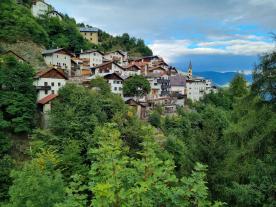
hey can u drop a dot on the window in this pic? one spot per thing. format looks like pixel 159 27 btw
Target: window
pixel 52 84
pixel 53 92
pixel 46 92
pixel 59 84
pixel 91 39
pixel 57 56
pixel 45 84
pixel 114 82
pixel 85 33
pixel 115 88
pixel 120 88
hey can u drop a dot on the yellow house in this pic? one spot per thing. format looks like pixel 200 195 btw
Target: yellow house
pixel 91 34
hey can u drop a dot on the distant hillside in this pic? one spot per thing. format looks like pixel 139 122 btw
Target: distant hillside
pixel 220 78
pixel 18 24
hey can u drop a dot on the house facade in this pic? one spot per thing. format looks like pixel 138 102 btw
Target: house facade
pixel 107 68
pixel 95 57
pixel 195 89
pixel 49 81
pixel 117 56
pixel 58 58
pixel 91 34
pixel 178 84
pixel 115 82
pixel 39 8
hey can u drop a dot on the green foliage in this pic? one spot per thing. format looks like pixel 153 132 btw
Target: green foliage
pixel 17 23
pixel 136 86
pixel 63 34
pixel 101 84
pixel 155 119
pixel 117 180
pixel 18 95
pixel 238 86
pixel 265 77
pixel 135 47
pixel 37 184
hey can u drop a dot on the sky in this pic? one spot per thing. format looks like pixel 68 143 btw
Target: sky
pixel 216 35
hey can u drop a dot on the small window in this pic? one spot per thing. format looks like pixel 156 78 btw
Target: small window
pixel 59 84
pixel 46 92
pixel 91 39
pixel 52 84
pixel 45 84
pixel 115 88
pixel 85 33
pixel 53 92
pixel 57 56
pixel 114 81
pixel 120 88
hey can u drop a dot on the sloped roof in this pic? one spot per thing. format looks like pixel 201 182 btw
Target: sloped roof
pixel 113 74
pixel 42 72
pixel 89 29
pixel 47 99
pixel 178 80
pixel 51 51
pixel 90 51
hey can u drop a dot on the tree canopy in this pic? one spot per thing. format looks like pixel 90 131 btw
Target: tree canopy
pixel 136 86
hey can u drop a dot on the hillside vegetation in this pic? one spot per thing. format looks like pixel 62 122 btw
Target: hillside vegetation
pixel 18 24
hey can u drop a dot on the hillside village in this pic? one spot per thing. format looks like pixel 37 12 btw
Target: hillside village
pixel 92 119
pixel 170 88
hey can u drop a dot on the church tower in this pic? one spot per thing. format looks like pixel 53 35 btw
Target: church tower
pixel 190 71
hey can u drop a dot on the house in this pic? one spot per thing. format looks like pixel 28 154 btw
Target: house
pixel 40 8
pixel 172 71
pixel 115 82
pixel 95 57
pixel 15 55
pixel 132 70
pixel 157 69
pixel 195 88
pixel 55 14
pixel 49 81
pixel 140 108
pixel 160 85
pixel 107 68
pixel 59 58
pixel 118 56
pixel 178 84
pixel 91 34
pixel 44 105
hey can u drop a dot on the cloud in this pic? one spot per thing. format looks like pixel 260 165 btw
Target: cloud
pixel 171 50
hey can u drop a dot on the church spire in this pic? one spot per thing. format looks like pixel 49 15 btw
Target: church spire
pixel 190 70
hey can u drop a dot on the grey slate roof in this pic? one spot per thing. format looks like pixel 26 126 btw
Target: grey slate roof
pixel 178 80
pixel 88 29
pixel 45 52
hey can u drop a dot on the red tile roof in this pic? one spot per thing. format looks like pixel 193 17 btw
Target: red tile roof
pixel 47 99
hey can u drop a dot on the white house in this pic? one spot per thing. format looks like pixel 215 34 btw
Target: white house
pixel 39 8
pixel 95 57
pixel 59 58
pixel 132 70
pixel 107 68
pixel 178 84
pixel 54 14
pixel 118 56
pixel 160 85
pixel 115 82
pixel 48 82
pixel 195 88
